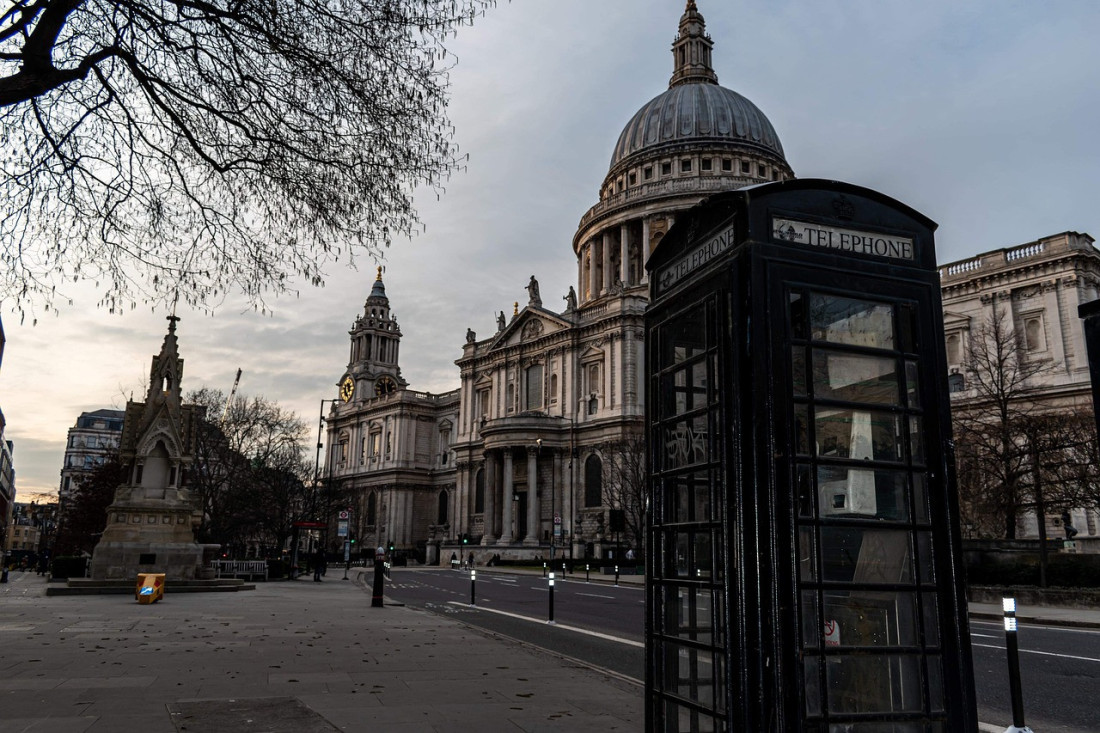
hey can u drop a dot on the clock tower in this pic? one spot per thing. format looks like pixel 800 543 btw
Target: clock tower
pixel 375 341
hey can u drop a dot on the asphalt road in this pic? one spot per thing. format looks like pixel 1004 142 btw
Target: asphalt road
pixel 602 625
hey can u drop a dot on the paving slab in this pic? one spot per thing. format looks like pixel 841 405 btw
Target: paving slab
pixel 291 655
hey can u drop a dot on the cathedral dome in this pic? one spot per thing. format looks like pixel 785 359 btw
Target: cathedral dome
pixel 693 114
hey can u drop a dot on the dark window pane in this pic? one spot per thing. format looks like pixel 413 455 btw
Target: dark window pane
pixel 850 321
pixel 869 556
pixel 920 498
pixel 912 384
pixel 798 370
pixel 685 443
pixel 683 337
pixel 916 439
pixel 802 429
pixel 805 492
pixel 811 685
pixel 798 315
pixel 870 618
pixel 807 563
pixel 859 434
pixel 931 620
pixel 924 557
pixel 811 620
pixel 863 492
pixel 855 377
pixel 874 684
pixel 935 683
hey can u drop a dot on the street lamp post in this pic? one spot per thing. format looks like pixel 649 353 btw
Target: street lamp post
pixel 316 480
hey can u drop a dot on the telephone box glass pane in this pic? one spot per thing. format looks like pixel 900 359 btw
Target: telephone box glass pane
pixel 861 618
pixel 865 556
pixel 863 493
pixel 851 321
pixel 855 377
pixel 865 435
pixel 881 683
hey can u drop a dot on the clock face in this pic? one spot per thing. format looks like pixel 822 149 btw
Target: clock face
pixel 384 386
pixel 347 389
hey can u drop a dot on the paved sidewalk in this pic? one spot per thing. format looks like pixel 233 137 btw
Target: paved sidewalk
pixel 290 656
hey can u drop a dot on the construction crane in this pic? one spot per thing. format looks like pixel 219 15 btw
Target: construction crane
pixel 229 400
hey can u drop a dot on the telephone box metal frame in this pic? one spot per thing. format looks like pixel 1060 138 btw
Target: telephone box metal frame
pixel 803 565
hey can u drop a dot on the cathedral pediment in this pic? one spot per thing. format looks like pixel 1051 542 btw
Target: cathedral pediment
pixel 531 324
pixel 955 319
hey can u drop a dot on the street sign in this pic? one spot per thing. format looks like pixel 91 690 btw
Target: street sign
pixel 342 528
pixel 557 518
pixel 344 514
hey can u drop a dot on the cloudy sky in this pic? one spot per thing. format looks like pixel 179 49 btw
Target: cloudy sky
pixel 981 115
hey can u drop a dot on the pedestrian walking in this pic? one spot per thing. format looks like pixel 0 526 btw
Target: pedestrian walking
pixel 318 564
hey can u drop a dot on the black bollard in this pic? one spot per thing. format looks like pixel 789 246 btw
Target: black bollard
pixel 1012 645
pixel 544 570
pixel 616 575
pixel 587 568
pixel 379 567
pixel 551 619
pixel 473 579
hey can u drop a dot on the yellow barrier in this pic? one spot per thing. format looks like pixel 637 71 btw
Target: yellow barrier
pixel 150 587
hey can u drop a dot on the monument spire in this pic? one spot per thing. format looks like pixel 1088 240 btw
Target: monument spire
pixel 691 51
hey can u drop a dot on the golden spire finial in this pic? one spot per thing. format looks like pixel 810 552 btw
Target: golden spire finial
pixel 515 308
pixel 379 274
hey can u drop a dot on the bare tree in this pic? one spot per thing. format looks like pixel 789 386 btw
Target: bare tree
pixel 994 455
pixel 625 482
pixel 249 472
pixel 178 149
pixel 84 517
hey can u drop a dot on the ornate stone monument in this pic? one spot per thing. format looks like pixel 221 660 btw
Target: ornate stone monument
pixel 149 524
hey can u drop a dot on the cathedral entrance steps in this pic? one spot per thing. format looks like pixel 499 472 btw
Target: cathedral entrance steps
pixel 88 586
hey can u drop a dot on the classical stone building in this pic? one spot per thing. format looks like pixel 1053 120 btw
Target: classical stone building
pixel 1038 287
pixel 518 454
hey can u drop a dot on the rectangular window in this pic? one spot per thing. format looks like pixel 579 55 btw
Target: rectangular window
pixel 647 174
pixel 727 165
pixel 762 170
pixel 745 167
pixel 706 164
pixel 666 169
pixel 685 166
pixel 632 179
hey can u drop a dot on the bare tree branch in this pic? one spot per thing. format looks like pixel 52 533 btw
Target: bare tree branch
pixel 184 149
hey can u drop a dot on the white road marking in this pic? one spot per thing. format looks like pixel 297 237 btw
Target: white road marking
pixel 597 634
pixel 1045 654
pixel 595 595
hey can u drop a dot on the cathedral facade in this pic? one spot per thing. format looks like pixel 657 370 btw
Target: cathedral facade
pixel 524 459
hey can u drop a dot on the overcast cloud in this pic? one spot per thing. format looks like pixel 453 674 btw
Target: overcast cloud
pixel 980 115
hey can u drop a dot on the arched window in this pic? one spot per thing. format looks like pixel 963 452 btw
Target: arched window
pixel 372 510
pixel 441 518
pixel 593 481
pixel 479 492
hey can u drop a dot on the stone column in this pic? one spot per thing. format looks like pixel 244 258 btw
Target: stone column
pixel 533 512
pixel 644 252
pixel 506 501
pixel 608 277
pixel 490 498
pixel 624 254
pixel 593 284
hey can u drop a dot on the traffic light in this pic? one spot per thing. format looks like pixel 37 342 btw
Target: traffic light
pixel 391 547
pixel 465 539
pixel 352 541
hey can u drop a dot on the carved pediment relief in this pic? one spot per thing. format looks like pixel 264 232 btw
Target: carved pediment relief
pixel 531 330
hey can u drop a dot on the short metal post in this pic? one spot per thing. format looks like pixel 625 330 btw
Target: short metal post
pixel 616 575
pixel 1018 725
pixel 544 570
pixel 473 579
pixel 376 598
pixel 551 620
pixel 587 568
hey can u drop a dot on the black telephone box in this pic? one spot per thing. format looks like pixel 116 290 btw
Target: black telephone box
pixel 804 567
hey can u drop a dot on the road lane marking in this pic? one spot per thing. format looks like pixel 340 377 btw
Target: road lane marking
pixel 589 632
pixel 1045 654
pixel 595 595
pixel 984 636
pixel 1036 625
